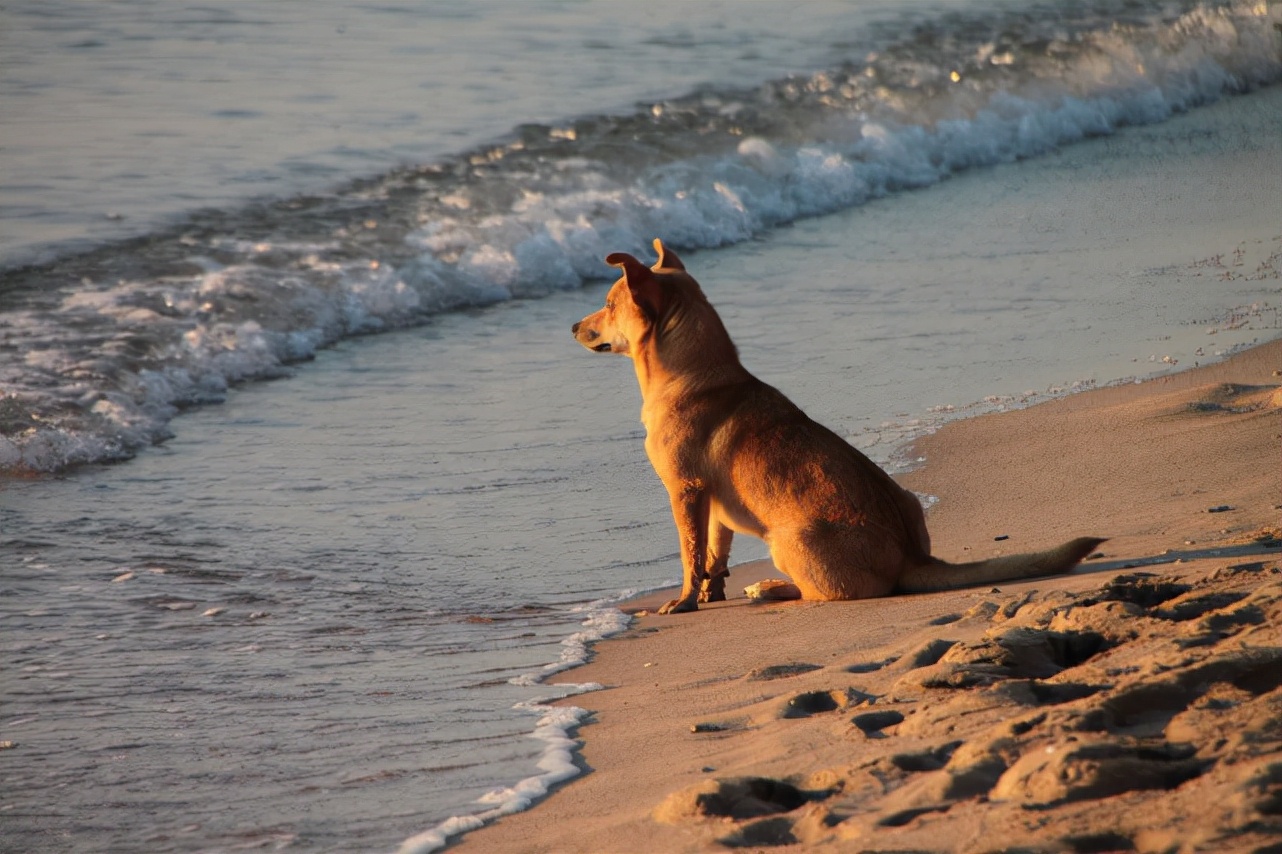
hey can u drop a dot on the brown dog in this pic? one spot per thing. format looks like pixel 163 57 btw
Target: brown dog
pixel 736 455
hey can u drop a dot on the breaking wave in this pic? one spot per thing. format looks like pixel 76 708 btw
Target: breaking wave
pixel 100 350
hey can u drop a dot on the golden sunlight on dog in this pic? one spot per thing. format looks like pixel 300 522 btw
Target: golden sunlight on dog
pixel 738 456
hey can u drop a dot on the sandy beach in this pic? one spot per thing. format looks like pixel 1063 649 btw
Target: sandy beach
pixel 1133 705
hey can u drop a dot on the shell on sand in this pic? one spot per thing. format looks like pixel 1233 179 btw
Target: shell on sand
pixel 772 588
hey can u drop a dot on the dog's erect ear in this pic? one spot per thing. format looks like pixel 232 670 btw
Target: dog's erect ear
pixel 647 292
pixel 668 259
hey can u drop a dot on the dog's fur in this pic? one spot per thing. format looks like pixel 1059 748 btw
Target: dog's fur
pixel 736 455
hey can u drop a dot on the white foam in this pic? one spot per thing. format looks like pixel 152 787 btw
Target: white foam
pixel 556 766
pixel 555 238
pixel 556 763
pixel 601 619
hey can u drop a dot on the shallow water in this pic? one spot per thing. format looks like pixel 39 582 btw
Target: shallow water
pixel 314 618
pixel 265 627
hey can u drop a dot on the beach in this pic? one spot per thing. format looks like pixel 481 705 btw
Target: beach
pixel 310 502
pixel 1129 705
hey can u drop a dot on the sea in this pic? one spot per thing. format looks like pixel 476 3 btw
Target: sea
pixel 308 499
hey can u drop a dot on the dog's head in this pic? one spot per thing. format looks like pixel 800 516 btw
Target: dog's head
pixel 633 306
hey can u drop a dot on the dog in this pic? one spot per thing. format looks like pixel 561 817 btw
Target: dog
pixel 737 456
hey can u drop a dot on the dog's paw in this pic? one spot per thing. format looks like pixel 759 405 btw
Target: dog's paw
pixel 713 589
pixel 679 606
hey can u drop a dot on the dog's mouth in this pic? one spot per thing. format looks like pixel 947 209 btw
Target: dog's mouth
pixel 602 348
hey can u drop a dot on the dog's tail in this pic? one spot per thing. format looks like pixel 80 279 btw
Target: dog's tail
pixel 941 575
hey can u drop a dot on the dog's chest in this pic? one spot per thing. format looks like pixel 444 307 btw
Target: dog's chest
pixel 680 432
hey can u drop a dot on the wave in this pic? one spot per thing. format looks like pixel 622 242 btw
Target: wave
pixel 102 349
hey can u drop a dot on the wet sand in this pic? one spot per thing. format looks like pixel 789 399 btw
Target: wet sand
pixel 1131 705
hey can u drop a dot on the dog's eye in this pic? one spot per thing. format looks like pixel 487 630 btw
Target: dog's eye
pixel 609 306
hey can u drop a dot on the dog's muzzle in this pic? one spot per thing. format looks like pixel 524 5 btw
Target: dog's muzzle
pixel 589 335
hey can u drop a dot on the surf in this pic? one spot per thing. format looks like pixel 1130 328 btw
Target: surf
pixel 108 346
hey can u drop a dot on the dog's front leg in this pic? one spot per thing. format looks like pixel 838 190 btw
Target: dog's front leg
pixel 690 511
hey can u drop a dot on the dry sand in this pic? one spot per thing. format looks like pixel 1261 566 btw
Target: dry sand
pixel 1132 705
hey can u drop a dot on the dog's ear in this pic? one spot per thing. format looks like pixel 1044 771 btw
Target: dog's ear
pixel 668 259
pixel 646 290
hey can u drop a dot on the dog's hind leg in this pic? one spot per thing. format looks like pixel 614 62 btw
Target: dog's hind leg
pixel 713 588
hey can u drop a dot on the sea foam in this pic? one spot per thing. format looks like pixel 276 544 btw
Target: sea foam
pixel 554 727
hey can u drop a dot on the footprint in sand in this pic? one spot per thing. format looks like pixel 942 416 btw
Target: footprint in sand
pixel 870 666
pixel 734 797
pixel 781 671
pixel 810 703
pixel 872 723
pixel 760 802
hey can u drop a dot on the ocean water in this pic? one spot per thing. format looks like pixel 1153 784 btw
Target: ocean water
pixel 307 487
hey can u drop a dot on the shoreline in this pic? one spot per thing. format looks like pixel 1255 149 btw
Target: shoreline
pixel 673 743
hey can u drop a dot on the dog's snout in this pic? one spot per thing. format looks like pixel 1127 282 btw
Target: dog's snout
pixel 575 328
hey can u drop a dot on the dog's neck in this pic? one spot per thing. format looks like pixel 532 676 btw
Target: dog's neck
pixel 690 349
